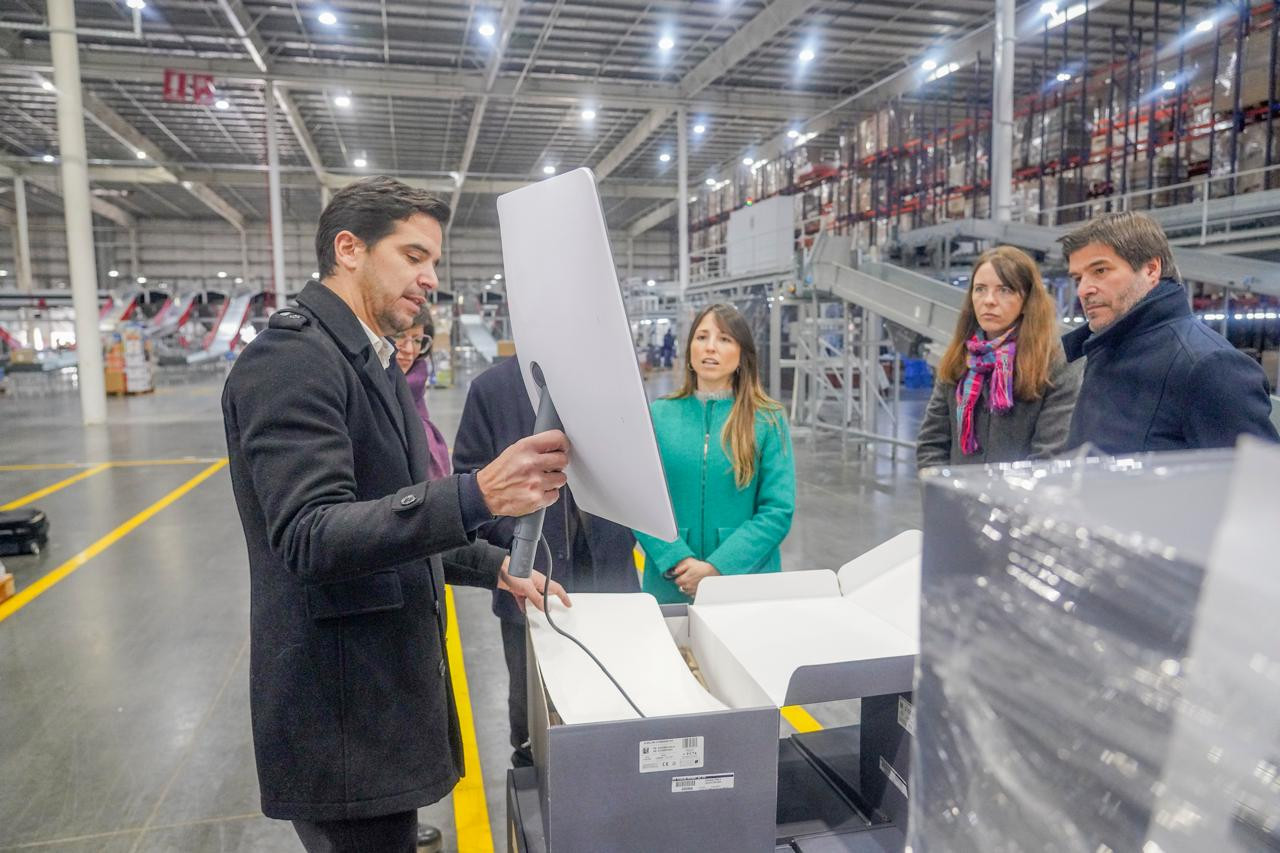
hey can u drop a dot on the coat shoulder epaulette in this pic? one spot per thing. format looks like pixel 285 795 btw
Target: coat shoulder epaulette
pixel 288 319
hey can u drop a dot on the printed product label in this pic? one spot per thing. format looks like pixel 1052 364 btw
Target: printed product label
pixel 708 782
pixel 906 716
pixel 898 782
pixel 677 753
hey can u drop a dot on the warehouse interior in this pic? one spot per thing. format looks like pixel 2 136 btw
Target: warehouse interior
pixel 831 168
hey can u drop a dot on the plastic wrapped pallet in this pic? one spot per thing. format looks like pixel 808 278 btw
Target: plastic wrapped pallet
pixel 1100 658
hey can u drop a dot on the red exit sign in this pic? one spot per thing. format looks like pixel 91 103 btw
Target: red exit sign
pixel 188 88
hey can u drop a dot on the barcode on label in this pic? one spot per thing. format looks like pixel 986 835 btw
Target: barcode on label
pixel 691 742
pixel 706 782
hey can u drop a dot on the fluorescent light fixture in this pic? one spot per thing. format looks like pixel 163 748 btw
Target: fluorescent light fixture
pixel 48 158
pixel 343 101
pixel 360 162
pixel 1170 85
pixel 497 276
pixel 793 134
pixel 944 70
pixel 711 182
pixel 487 29
pixel 807 55
pixel 142 279
pixel 327 18
pixel 3 273
pixel 747 161
pixel 141 155
pixel 666 43
pixel 239 280
pixel 222 104
pixel 46 85
pixel 222 273
pixel 548 169
pixel 699 128
pixel 664 157
pixel 1204 26
pixel 588 115
pixel 929 65
pixel 113 273
pixel 1063 77
pixel 650 282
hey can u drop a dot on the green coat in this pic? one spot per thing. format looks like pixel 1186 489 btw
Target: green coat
pixel 735 530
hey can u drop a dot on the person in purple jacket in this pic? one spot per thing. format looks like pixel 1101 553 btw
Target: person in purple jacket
pixel 413 355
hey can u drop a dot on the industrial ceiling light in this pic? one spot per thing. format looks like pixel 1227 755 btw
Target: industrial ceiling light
pixel 1049 8
pixel 548 169
pixel 1170 85
pixel 588 115
pixel 316 274
pixel 650 282
pixel 46 85
pixel 793 134
pixel 222 273
pixel 239 280
pixel 487 29
pixel 343 101
pixel 141 155
pixel 807 55
pixel 1204 26
pixel 664 157
pixel 136 5
pixel 699 128
pixel 711 182
pixel 1063 77
pixel 222 104
pixel 747 161
pixel 327 18
pixel 929 65
pixel 113 273
pixel 497 276
pixel 48 158
pixel 666 43
pixel 360 162
pixel 142 279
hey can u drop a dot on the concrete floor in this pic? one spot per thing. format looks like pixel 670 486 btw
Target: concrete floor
pixel 124 719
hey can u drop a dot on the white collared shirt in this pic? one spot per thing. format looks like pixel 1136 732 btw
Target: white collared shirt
pixel 382 347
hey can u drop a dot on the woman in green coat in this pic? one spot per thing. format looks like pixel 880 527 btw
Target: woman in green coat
pixel 726 451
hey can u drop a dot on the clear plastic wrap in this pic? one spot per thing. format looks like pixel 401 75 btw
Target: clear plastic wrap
pixel 1060 703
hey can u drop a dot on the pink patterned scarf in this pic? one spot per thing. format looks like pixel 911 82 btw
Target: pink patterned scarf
pixel 986 358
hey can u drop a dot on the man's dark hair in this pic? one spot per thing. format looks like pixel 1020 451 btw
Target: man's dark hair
pixel 370 208
pixel 1135 237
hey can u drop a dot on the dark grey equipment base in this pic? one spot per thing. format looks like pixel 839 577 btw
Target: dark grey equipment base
pixel 821 808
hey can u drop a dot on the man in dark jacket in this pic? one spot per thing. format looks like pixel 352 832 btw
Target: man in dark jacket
pixel 1156 377
pixel 591 554
pixel 354 721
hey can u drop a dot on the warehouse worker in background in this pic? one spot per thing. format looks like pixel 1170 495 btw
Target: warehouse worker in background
pixel 591 554
pixel 354 723
pixel 1156 377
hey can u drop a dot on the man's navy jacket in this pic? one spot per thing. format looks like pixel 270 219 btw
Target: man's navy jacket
pixel 1160 379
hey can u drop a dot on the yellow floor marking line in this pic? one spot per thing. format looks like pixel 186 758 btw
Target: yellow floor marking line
pixel 48 490
pixel 31 593
pixel 470 808
pixel 800 719
pixel 47 466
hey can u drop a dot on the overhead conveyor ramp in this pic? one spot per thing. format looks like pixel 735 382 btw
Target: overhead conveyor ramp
pixel 924 305
pixel 1230 271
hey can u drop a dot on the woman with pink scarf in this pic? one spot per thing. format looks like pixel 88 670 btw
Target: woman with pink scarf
pixel 413 351
pixel 1004 391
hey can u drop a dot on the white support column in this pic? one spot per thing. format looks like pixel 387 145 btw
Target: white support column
pixel 244 255
pixel 273 188
pixel 682 197
pixel 22 236
pixel 1002 112
pixel 76 198
pixel 135 268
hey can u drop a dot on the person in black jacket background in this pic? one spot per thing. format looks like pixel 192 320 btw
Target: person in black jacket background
pixel 1156 377
pixel 354 724
pixel 591 554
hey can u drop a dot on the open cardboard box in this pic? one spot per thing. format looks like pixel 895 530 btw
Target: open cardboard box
pixel 700 769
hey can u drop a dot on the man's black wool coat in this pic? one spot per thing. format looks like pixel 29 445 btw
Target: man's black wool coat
pixel 349 550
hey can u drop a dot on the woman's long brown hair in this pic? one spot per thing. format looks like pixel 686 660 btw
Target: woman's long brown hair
pixel 738 437
pixel 1039 341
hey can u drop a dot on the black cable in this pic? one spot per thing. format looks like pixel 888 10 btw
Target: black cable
pixel 546 603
